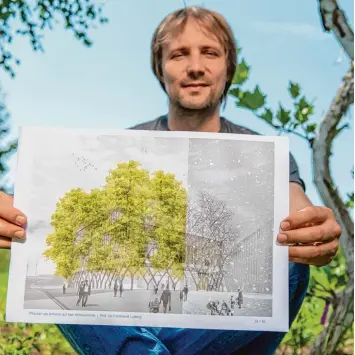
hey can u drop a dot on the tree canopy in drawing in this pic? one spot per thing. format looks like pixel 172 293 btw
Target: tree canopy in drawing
pixel 135 218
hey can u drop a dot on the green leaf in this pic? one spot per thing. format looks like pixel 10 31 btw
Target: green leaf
pixel 252 100
pixel 305 107
pixel 300 117
pixel 236 92
pixel 283 115
pixel 267 115
pixel 241 74
pixel 294 90
pixel 311 128
pixel 321 277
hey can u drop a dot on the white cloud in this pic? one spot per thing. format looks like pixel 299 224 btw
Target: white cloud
pixel 301 29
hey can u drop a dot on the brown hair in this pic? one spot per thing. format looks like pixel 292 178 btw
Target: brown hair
pixel 212 21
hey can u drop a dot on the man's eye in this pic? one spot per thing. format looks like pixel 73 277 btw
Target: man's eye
pixel 211 54
pixel 177 55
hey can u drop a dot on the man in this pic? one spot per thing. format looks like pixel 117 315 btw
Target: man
pixel 86 292
pixel 115 288
pixel 81 294
pixel 240 298
pixel 166 299
pixel 121 289
pixel 232 302
pixel 194 59
pixel 186 290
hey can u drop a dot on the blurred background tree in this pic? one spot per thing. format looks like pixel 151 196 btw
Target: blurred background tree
pixel 30 19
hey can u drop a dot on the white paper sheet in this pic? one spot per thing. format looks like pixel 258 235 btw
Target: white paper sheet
pixel 236 191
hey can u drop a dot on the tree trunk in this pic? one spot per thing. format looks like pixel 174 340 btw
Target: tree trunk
pixel 341 319
pixel 334 20
pixel 342 316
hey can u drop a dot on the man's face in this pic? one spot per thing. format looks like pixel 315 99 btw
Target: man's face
pixel 194 68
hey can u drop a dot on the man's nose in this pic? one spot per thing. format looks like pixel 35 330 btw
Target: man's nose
pixel 196 67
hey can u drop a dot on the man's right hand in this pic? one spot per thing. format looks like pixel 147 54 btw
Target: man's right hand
pixel 12 222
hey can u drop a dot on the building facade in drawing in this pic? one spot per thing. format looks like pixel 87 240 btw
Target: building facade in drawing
pixel 252 262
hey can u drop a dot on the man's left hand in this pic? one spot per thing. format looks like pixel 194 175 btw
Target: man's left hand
pixel 313 234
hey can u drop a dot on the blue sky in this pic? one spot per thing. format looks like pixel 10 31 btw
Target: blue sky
pixel 111 85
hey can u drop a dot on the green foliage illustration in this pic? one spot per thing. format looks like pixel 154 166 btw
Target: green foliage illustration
pixel 135 223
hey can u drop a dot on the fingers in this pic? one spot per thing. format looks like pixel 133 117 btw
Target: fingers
pixel 10 213
pixel 323 233
pixel 319 254
pixel 308 216
pixel 5 243
pixel 10 230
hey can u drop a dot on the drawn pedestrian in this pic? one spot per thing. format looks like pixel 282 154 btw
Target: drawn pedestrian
pixel 80 292
pixel 121 289
pixel 240 298
pixel 166 299
pixel 86 293
pixel 186 290
pixel 115 288
pixel 232 301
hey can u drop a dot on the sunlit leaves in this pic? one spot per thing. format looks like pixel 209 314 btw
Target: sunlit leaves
pixel 112 227
pixel 251 100
pixel 241 74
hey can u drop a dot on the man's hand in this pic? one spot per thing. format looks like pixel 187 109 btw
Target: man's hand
pixel 12 222
pixel 313 234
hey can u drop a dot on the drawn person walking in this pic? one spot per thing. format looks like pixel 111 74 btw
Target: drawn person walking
pixel 121 289
pixel 115 288
pixel 186 290
pixel 166 299
pixel 232 301
pixel 240 298
pixel 86 293
pixel 80 292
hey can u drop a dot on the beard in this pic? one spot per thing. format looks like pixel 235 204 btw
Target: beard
pixel 194 106
pixel 195 113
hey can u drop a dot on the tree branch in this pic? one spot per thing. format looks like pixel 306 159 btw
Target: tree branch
pixel 342 315
pixel 334 20
pixel 321 165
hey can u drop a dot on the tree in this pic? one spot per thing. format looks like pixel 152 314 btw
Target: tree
pixel 30 19
pixel 210 241
pixel 128 191
pixel 339 294
pixel 108 233
pixel 168 211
